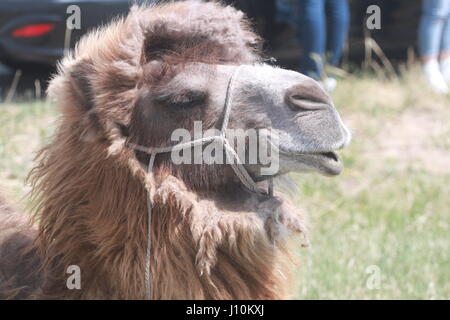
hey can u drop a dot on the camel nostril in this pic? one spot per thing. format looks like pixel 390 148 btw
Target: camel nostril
pixel 305 103
pixel 307 97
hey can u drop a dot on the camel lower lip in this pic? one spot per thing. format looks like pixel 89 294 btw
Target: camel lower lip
pixel 329 162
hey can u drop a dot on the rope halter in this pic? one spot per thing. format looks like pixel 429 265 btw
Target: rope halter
pixel 232 157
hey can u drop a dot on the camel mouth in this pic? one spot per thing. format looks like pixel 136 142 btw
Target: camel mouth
pixel 328 163
pixel 331 155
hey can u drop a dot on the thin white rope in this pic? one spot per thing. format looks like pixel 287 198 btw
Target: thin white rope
pixel 229 99
pixel 148 282
pixel 232 158
pixel 239 168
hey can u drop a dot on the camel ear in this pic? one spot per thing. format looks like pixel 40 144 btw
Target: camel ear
pixel 83 93
pixel 81 84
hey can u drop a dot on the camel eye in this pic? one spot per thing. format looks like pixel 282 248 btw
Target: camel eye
pixel 188 99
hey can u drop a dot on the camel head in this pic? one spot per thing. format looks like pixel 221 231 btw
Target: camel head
pixel 156 73
pixel 289 105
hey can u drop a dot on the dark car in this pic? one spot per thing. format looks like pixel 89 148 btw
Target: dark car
pixel 34 31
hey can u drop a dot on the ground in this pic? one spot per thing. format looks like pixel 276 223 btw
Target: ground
pixel 380 230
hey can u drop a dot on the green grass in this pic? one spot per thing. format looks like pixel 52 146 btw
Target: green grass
pixel 388 212
pixel 24 128
pixel 398 222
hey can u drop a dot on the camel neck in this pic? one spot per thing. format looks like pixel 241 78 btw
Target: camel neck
pixel 91 215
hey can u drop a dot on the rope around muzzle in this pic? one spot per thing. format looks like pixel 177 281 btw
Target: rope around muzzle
pixel 232 157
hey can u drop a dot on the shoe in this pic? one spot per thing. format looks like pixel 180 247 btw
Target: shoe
pixel 445 69
pixel 434 77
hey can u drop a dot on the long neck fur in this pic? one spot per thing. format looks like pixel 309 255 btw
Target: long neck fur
pixel 92 213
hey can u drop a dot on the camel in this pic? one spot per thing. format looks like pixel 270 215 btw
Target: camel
pixel 132 83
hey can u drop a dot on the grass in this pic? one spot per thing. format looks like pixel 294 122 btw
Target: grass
pixel 24 128
pixel 380 230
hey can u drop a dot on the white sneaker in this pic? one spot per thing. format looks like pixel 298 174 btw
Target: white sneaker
pixel 329 84
pixel 445 69
pixel 434 77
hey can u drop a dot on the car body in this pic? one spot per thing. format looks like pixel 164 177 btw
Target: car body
pixel 34 31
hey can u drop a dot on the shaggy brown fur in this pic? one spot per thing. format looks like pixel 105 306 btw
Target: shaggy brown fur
pixel 211 239
pixel 18 259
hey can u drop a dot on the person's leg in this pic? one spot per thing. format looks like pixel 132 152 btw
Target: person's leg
pixel 431 28
pixel 338 14
pixel 284 12
pixel 445 46
pixel 430 37
pixel 313 34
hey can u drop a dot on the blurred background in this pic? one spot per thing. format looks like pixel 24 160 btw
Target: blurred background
pixel 33 34
pixel 381 229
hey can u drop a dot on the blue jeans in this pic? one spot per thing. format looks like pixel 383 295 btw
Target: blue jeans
pixel 434 29
pixel 313 33
pixel 286 12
